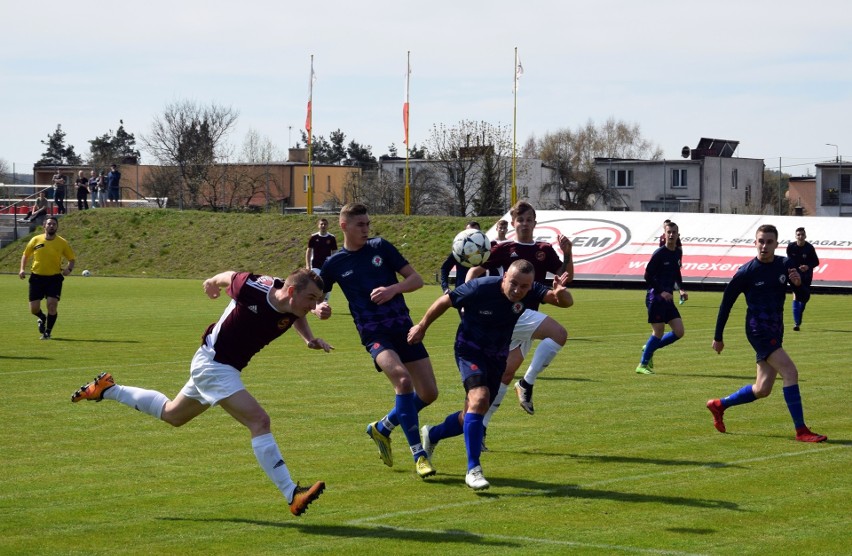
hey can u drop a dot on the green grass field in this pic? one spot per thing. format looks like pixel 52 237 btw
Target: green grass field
pixel 612 462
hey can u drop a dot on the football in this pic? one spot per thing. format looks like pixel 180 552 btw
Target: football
pixel 471 247
pixel 86 273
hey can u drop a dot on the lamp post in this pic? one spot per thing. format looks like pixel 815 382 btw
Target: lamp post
pixel 839 170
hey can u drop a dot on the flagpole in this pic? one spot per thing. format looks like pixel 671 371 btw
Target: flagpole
pixel 405 114
pixel 309 126
pixel 514 196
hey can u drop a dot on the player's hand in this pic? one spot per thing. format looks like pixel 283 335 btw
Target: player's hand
pixel 22 274
pixel 684 295
pixel 319 343
pixel 381 295
pixel 718 346
pixel 795 277
pixel 564 243
pixel 803 268
pixel 561 280
pixel 212 289
pixel 322 310
pixel 416 334
pixel 666 296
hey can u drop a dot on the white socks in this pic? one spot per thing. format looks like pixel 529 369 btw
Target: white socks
pixel 146 401
pixel 269 457
pixel 544 354
pixel 495 405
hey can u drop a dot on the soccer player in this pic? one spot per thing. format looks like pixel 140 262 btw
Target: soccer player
pixel 262 308
pixel 321 246
pixel 47 251
pixel 532 325
pixel 451 262
pixel 502 228
pixel 492 305
pixel 366 269
pixel 804 256
pixel 763 280
pixel 662 276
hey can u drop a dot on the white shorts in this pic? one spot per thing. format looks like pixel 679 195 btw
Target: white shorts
pixel 316 271
pixel 209 381
pixel 522 335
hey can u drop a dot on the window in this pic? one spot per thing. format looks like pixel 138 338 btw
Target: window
pixel 400 174
pixel 679 177
pixel 748 194
pixel 328 183
pixel 621 178
pixel 844 183
pixel 734 176
pixel 307 182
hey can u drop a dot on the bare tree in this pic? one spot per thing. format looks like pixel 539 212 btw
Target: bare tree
pixel 460 150
pixel 191 137
pixel 5 175
pixel 572 153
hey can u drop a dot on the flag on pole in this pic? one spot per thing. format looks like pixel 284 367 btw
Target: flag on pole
pixel 311 82
pixel 519 71
pixel 405 105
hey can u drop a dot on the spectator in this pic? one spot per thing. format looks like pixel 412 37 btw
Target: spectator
pixel 113 187
pixel 82 191
pixel 59 191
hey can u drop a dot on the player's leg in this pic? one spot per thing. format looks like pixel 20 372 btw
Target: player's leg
pixel 35 309
pixel 651 345
pixel 52 304
pixel 676 333
pixel 553 337
pixel 477 405
pixel 780 361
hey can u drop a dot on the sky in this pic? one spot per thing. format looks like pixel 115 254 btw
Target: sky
pixel 774 75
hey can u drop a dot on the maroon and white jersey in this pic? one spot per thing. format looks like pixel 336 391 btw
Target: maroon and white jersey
pixel 323 247
pixel 249 322
pixel 541 254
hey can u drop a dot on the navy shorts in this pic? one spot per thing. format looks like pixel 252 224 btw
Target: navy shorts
pixel 397 341
pixel 45 286
pixel 763 344
pixel 481 372
pixel 661 311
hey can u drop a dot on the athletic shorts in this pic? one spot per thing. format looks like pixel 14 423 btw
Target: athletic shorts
pixel 397 341
pixel 662 311
pixel 524 329
pixel 481 372
pixel 210 381
pixel 763 344
pixel 45 286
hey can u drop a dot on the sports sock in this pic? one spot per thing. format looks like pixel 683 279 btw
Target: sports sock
pixel 495 405
pixel 741 396
pixel 41 316
pixel 269 457
pixel 650 347
pixel 140 399
pixel 668 339
pixel 473 438
pixel 798 309
pixel 794 404
pixel 544 354
pixel 448 429
pixel 51 320
pixel 406 409
pixel 391 420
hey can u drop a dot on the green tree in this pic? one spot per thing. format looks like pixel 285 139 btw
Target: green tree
pixel 113 148
pixel 57 152
pixel 489 202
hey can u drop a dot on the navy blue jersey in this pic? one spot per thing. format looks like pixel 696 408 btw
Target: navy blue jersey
pixel 359 272
pixel 663 271
pixel 806 254
pixel 447 267
pixel 764 286
pixel 489 317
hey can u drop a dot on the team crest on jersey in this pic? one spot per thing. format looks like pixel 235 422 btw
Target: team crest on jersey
pixel 377 261
pixel 285 323
pixel 540 256
pixel 253 308
pixel 266 281
pixel 518 308
pixel 782 279
pixel 474 367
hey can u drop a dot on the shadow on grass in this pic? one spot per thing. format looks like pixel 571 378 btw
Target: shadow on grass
pixel 28 357
pixel 748 377
pixel 566 378
pixel 93 340
pixel 691 530
pixel 597 458
pixel 355 532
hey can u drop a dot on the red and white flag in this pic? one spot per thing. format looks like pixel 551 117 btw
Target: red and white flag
pixel 405 104
pixel 311 82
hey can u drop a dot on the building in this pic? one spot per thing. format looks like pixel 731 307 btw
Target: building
pixel 833 190
pixel 801 196
pixel 708 179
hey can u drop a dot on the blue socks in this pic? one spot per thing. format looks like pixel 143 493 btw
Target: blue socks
pixel 406 410
pixel 448 429
pixel 798 310
pixel 391 420
pixel 473 438
pixel 653 344
pixel 794 404
pixel 741 396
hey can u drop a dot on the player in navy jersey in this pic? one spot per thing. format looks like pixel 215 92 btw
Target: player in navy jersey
pixel 763 280
pixel 492 306
pixel 366 270
pixel 803 254
pixel 262 308
pixel 533 325
pixel 662 276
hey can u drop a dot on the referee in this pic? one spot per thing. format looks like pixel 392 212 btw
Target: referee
pixel 47 251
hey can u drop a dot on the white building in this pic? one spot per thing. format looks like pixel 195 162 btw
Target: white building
pixel 834 189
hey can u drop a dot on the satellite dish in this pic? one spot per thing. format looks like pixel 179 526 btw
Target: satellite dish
pixel 684 152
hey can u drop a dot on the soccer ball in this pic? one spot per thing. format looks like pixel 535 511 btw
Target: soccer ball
pixel 471 247
pixel 86 273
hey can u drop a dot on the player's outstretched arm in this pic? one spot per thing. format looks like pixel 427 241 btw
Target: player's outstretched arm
pixel 322 310
pixel 304 329
pixel 438 308
pixel 213 285
pixel 559 295
pixel 568 262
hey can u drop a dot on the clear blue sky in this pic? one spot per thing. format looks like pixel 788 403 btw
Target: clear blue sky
pixel 774 75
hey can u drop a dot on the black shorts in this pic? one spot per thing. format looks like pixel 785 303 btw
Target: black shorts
pixel 45 286
pixel 397 341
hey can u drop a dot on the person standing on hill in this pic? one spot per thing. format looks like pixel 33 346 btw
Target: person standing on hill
pixel 114 186
pixel 47 251
pixel 82 191
pixel 803 254
pixel 59 184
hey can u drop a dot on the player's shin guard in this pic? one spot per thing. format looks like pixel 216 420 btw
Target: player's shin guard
pixel 140 399
pixel 269 457
pixel 544 354
pixel 406 410
pixel 495 405
pixel 794 404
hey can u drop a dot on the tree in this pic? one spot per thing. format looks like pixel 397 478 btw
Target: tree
pixel 460 150
pixel 490 199
pixel 333 152
pixel 775 188
pixel 113 148
pixel 57 153
pixel 573 153
pixel 192 138
pixel 5 175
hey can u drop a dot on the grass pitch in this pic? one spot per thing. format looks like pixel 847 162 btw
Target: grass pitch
pixel 612 462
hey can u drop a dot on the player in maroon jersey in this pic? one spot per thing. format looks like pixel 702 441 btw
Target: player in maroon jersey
pixel 262 308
